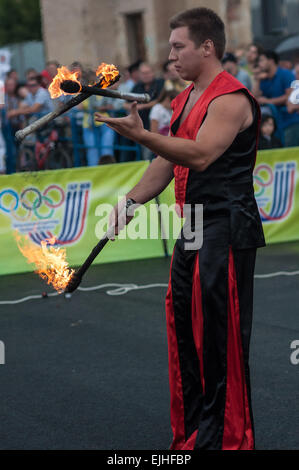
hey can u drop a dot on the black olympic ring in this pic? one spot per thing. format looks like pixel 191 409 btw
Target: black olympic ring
pixel 35 205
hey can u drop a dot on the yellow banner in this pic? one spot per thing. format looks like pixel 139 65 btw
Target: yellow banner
pixel 70 205
pixel 276 185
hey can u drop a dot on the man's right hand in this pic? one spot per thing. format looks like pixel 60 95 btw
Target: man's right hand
pixel 118 217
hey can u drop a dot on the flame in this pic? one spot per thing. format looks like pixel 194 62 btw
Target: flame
pixel 50 262
pixel 63 73
pixel 109 73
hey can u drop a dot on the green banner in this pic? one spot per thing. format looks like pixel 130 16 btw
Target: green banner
pixel 276 185
pixel 73 206
pixel 70 205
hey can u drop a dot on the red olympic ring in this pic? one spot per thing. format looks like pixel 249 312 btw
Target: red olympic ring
pixel 49 188
pixel 269 171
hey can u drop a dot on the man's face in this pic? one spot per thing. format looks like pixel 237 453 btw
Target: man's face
pixel 268 127
pixel 264 63
pixel 231 67
pixel 10 85
pixel 187 58
pixel 146 74
pixel 135 75
pixel 32 86
pixel 52 69
pixel 252 54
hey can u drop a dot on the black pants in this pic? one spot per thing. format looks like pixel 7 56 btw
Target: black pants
pixel 209 316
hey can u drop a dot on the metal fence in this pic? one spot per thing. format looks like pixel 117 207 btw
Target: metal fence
pixel 72 134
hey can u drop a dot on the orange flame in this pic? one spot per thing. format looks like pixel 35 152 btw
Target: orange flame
pixel 63 73
pixel 50 262
pixel 109 72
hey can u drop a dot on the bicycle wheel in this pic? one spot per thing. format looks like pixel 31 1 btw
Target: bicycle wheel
pixel 26 160
pixel 58 158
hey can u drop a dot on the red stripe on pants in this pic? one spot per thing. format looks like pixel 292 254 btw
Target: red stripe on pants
pixel 175 379
pixel 237 434
pixel 197 319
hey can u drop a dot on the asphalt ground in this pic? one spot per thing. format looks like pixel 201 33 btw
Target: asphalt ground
pixel 91 372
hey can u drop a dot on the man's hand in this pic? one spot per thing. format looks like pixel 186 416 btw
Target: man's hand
pixel 118 218
pixel 292 108
pixel 263 100
pixel 130 126
pixel 12 113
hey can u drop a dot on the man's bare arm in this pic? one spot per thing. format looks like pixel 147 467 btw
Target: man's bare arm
pixel 155 179
pixel 23 110
pixel 157 176
pixel 227 116
pixel 278 101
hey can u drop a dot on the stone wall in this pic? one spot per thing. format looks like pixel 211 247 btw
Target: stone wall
pixel 93 31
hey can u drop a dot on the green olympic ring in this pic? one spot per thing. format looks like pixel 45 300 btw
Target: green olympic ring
pixel 262 188
pixel 36 203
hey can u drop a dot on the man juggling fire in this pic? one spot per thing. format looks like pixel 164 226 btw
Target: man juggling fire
pixel 211 152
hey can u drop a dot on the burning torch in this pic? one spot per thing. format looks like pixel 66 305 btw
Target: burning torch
pixel 67 83
pixel 76 277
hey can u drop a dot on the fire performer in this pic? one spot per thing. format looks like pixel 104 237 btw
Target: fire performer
pixel 211 152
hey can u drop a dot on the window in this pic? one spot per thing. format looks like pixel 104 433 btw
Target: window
pixel 135 35
pixel 274 16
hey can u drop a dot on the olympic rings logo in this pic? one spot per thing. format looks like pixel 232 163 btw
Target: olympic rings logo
pixel 259 181
pixel 31 199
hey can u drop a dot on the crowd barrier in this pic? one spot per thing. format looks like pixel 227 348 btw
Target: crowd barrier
pixel 73 204
pixel 72 133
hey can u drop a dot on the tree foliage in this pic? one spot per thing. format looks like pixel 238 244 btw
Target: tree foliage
pixel 20 20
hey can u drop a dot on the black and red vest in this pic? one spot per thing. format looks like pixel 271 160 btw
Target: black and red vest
pixel 225 188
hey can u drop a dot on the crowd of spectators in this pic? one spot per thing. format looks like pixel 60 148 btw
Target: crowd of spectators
pixel 271 81
pixel 261 72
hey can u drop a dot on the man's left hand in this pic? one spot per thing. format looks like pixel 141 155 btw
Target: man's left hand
pixel 11 114
pixel 130 126
pixel 263 100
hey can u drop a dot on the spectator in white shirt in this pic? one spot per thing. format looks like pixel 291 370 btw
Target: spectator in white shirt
pixel 161 112
pixel 38 100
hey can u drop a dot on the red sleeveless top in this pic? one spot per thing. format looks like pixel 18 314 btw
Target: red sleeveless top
pixel 225 188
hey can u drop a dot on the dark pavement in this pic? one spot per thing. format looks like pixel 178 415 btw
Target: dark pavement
pixel 91 372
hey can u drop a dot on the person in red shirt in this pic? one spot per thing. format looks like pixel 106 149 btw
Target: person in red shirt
pixel 211 152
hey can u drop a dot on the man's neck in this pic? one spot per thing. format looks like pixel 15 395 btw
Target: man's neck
pixel 206 77
pixel 272 71
pixel 147 86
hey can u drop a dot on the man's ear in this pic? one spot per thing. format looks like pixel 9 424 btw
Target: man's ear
pixel 208 47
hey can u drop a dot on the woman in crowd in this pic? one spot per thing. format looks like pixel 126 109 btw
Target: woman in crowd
pixel 267 139
pixel 161 112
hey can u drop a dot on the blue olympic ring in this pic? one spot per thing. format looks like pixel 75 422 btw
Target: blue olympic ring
pixel 35 204
pixel 12 193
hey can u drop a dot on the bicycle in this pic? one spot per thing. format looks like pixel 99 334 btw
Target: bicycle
pixel 48 152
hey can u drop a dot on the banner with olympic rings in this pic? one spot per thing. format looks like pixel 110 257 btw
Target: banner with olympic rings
pixel 63 203
pixel 276 186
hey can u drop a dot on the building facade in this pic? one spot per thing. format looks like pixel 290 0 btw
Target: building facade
pixel 122 31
